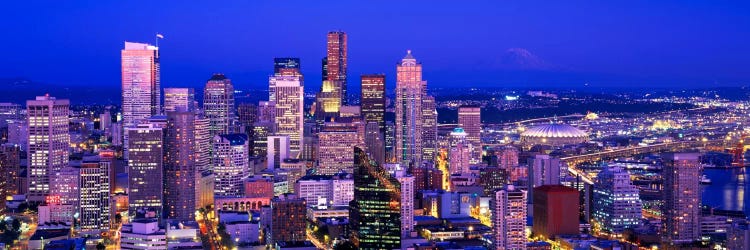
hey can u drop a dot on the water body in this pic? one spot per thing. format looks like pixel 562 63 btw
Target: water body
pixel 728 189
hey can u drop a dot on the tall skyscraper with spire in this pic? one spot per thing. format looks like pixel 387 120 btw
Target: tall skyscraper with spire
pixel 336 61
pixel 141 90
pixel 218 104
pixel 48 143
pixel 409 92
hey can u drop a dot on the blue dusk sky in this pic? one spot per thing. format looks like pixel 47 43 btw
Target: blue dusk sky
pixel 556 44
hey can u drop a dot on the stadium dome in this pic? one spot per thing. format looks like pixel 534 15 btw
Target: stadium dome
pixel 555 134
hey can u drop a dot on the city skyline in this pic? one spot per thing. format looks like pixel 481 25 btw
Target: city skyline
pixel 670 51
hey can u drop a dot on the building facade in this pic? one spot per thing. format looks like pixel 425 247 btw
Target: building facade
pixel 49 143
pixel 230 164
pixel 218 104
pixel 509 218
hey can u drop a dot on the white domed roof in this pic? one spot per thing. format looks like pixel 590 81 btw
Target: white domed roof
pixel 555 130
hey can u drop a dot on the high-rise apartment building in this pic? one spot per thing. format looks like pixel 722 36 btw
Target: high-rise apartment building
pixel 230 164
pixel 218 104
pixel 470 119
pixel 145 169
pixel 375 212
pixel 409 120
pixel 49 143
pixel 682 198
pixel 555 211
pixel 336 60
pixel 616 201
pixel 407 202
pixel 182 99
pixel 141 90
pixel 179 166
pixel 509 218
pixel 336 142
pixel 287 92
pixel 95 186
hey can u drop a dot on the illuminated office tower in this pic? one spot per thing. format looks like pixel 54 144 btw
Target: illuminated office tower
pixel 65 187
pixel 10 166
pixel 261 131
pixel 179 166
pixel 336 142
pixel 202 144
pixel 409 92
pixel 509 218
pixel 179 99
pixel 286 66
pixel 375 212
pixel 469 118
pixel 230 164
pixel 277 150
pixel 336 61
pixel 140 83
pixel 266 111
pixel 616 201
pixel 328 102
pixel 95 186
pixel 373 99
pixel 390 142
pixel 375 142
pixel 682 198
pixel 429 128
pixel 49 143
pixel 459 153
pixel 288 95
pixel 247 113
pixel 145 169
pixel 218 104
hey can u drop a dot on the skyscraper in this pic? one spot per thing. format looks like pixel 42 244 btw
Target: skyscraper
pixel 218 104
pixel 288 95
pixel 10 166
pixel 409 91
pixel 470 119
pixel 95 192
pixel 336 62
pixel 179 99
pixel 145 169
pixel 373 99
pixel 247 114
pixel 179 166
pixel 682 198
pixel 407 202
pixel 459 153
pixel 286 66
pixel 277 149
pixel 336 141
pixel 375 142
pixel 375 212
pixel 266 111
pixel 616 202
pixel 49 143
pixel 202 144
pixel 429 128
pixel 509 218
pixel 543 170
pixel 328 101
pixel 141 90
pixel 230 164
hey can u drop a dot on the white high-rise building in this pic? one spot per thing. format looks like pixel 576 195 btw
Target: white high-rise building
pixel 277 151
pixel 407 203
pixel 543 170
pixel 230 164
pixel 287 92
pixel 140 83
pixel 617 204
pixel 509 218
pixel 49 143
